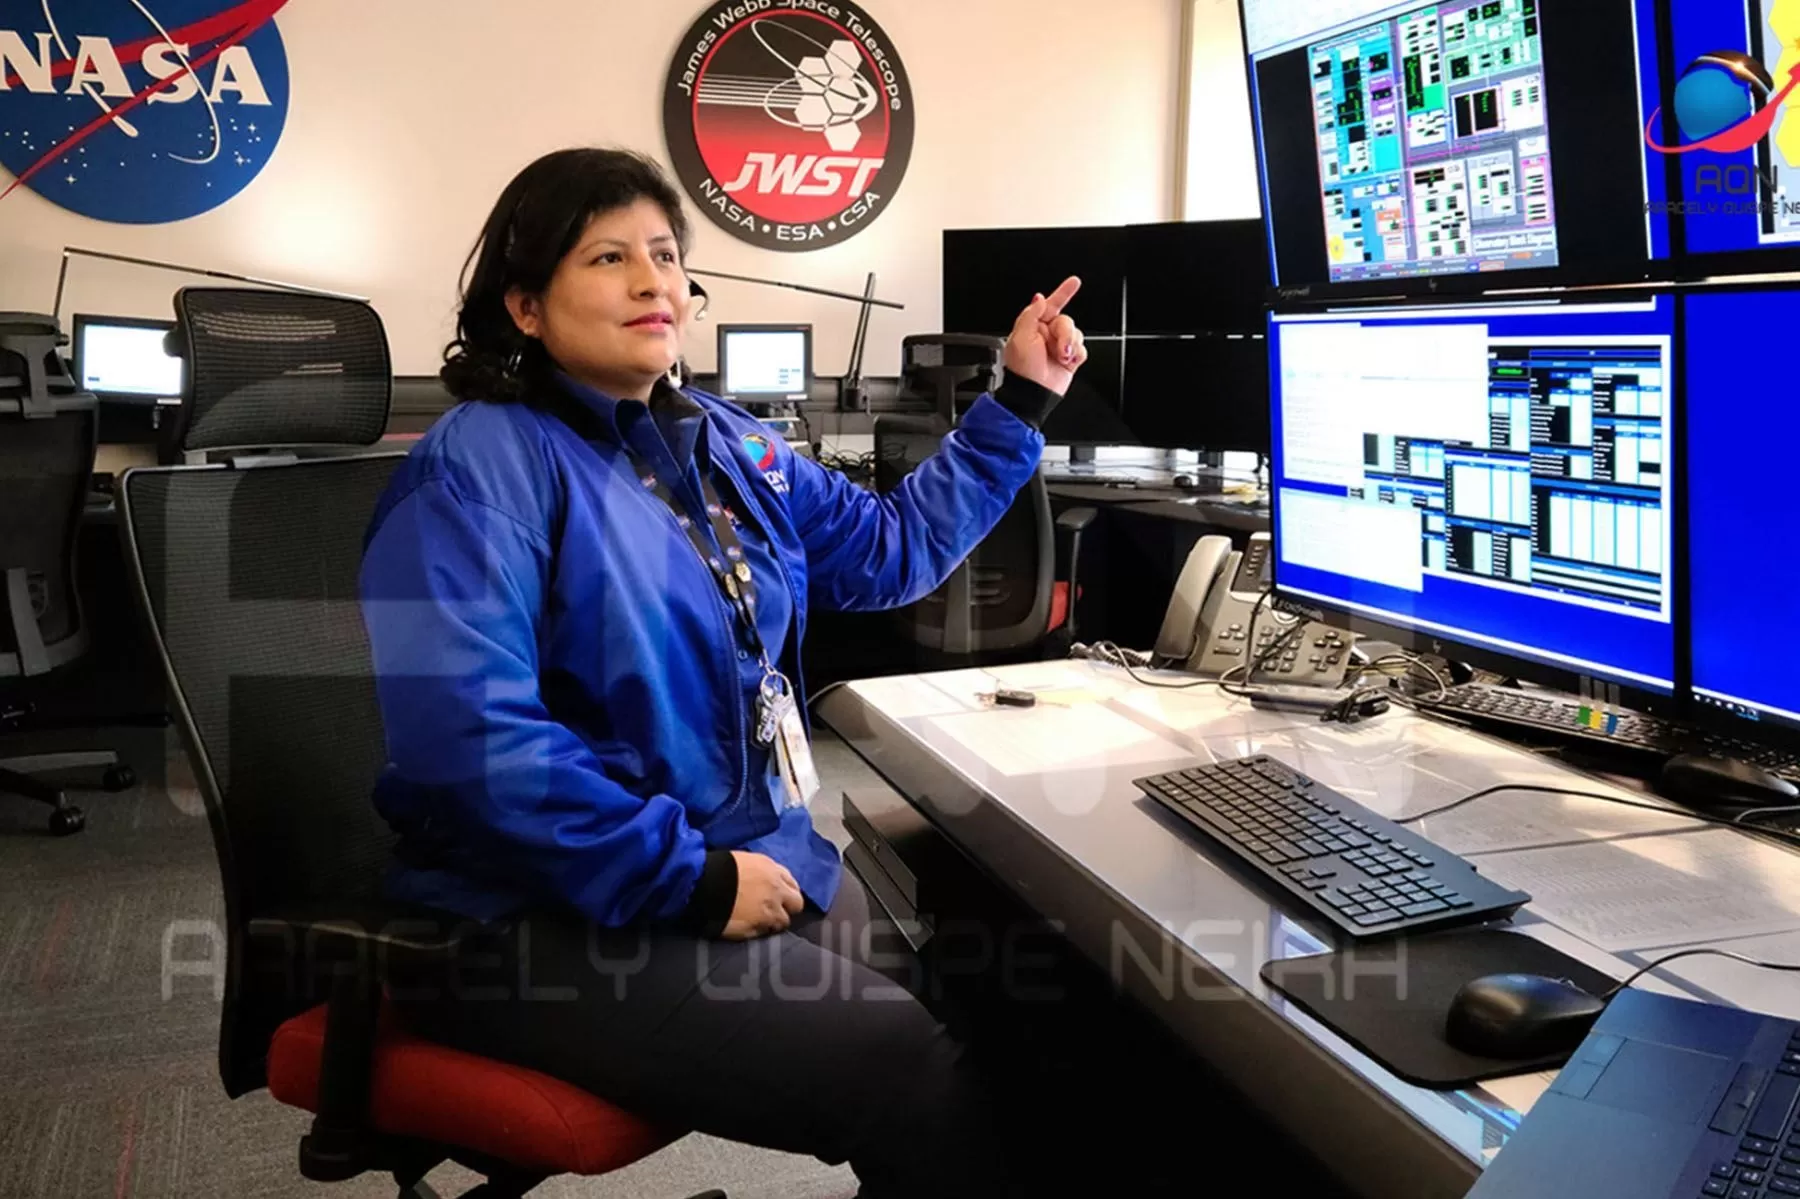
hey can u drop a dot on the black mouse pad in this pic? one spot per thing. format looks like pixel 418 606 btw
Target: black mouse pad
pixel 1390 998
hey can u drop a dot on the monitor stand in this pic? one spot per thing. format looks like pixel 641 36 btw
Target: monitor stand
pixel 1082 455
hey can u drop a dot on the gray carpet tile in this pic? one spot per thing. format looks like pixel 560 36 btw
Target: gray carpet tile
pixel 110 944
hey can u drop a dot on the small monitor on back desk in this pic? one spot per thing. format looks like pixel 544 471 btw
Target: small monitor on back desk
pixel 122 359
pixel 765 364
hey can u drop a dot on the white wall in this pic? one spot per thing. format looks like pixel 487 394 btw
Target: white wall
pixel 409 116
pixel 1219 153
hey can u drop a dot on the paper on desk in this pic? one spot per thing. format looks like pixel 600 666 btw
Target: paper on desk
pixel 1048 738
pixel 1061 682
pixel 906 697
pixel 1523 820
pixel 1204 711
pixel 1645 892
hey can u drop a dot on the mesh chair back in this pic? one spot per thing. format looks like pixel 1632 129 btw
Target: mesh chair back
pixel 1009 580
pixel 951 368
pixel 48 434
pixel 250 580
pixel 269 369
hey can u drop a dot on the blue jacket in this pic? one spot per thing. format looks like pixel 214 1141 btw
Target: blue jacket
pixel 560 679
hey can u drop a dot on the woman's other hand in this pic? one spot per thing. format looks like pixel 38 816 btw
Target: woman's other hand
pixel 1045 345
pixel 768 898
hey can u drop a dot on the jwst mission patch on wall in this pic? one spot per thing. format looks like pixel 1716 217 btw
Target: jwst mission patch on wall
pixel 789 122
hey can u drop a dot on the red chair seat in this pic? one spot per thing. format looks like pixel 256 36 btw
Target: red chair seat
pixel 433 1093
pixel 1059 606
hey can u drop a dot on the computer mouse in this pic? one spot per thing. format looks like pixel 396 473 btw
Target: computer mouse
pixel 1186 482
pixel 1723 786
pixel 1514 1017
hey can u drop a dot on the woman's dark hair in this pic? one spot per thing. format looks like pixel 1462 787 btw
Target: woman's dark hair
pixel 537 221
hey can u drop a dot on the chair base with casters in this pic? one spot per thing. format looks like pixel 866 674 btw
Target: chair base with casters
pixel 22 777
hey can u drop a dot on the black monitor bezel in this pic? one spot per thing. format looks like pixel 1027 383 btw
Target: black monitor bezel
pixel 79 325
pixel 1437 289
pixel 1483 657
pixel 722 361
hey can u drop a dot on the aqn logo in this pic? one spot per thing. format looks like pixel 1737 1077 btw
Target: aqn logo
pixel 139 111
pixel 790 122
pixel 1727 102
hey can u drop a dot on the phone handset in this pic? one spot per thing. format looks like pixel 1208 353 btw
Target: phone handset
pixel 1219 621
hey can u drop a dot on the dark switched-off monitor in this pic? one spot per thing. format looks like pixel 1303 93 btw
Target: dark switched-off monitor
pixel 1497 482
pixel 1420 148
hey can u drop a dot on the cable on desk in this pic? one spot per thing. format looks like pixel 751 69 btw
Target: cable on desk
pixel 1131 660
pixel 1692 953
pixel 1411 662
pixel 1697 817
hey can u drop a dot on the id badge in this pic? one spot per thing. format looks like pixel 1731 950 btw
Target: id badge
pixel 793 754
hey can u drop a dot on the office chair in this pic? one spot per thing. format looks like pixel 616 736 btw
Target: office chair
pixel 246 572
pixel 48 432
pixel 1006 597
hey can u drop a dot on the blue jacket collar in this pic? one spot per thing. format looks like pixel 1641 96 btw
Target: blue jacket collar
pixel 615 414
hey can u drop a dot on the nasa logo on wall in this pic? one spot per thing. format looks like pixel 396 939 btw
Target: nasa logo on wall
pixel 139 111
pixel 789 122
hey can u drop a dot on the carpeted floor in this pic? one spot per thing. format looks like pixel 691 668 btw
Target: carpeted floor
pixel 109 1021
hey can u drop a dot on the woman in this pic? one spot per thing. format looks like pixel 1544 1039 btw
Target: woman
pixel 586 591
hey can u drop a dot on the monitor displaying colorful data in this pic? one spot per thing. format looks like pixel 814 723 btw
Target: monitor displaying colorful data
pixel 1743 537
pixel 1422 147
pixel 1497 479
pixel 1733 129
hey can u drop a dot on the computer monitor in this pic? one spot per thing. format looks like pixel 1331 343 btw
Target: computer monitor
pixel 1411 149
pixel 1093 411
pixel 765 364
pixel 122 359
pixel 1495 484
pixel 1743 552
pixel 990 276
pixel 1740 206
pixel 1190 277
pixel 1208 392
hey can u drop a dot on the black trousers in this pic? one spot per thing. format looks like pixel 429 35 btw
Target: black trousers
pixel 810 1042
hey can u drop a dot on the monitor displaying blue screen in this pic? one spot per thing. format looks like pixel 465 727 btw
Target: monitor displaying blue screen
pixel 1494 478
pixel 1744 199
pixel 1398 141
pixel 1744 539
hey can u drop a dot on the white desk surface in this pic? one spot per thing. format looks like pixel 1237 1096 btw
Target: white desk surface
pixel 1612 886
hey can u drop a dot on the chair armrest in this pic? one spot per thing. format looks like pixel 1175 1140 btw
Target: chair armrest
pixel 401 934
pixel 1071 525
pixel 1076 520
pixel 356 944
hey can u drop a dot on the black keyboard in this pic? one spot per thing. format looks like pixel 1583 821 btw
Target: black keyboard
pixel 1767 1163
pixel 1572 720
pixel 1363 874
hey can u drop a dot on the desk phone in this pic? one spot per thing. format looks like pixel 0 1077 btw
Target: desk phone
pixel 1208 627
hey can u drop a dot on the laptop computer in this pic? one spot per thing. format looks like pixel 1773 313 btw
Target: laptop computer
pixel 1666 1099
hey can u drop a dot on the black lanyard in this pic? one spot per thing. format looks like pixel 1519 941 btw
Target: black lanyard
pixel 723 557
pixel 732 570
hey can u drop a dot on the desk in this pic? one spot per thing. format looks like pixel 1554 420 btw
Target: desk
pixel 1043 799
